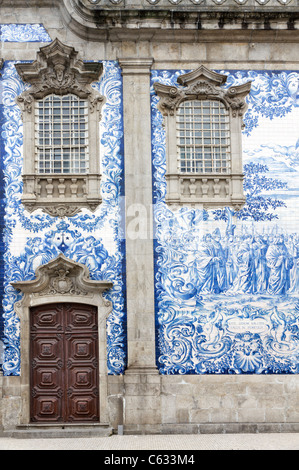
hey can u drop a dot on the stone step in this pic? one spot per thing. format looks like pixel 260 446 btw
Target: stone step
pixel 45 431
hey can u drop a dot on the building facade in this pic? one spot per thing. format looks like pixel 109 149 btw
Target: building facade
pixel 149 214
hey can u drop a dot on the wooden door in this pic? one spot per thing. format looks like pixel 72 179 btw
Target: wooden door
pixel 64 363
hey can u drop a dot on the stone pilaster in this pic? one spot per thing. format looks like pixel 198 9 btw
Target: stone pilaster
pixel 142 388
pixel 138 207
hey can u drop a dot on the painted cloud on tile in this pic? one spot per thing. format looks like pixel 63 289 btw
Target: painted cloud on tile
pixel 227 284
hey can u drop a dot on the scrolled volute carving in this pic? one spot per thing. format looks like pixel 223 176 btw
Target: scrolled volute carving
pixel 62 276
pixel 235 96
pixel 202 84
pixel 170 98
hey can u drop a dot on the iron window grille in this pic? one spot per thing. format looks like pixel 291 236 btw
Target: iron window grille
pixel 62 134
pixel 203 138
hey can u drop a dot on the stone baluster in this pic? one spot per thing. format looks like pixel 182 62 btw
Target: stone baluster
pixel 74 187
pixel 49 187
pixel 61 187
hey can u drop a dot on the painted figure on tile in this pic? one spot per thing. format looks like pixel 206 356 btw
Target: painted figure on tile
pixel 212 329
pixel 245 267
pixel 220 261
pixel 260 247
pixel 280 263
pixel 231 267
pixel 206 264
pixel 279 325
pixel 293 248
pixel 35 254
pixel 90 252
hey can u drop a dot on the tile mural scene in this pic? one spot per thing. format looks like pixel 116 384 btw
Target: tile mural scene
pixel 226 283
pixel 227 290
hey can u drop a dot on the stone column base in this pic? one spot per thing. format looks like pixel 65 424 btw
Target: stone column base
pixel 142 400
pixel 142 370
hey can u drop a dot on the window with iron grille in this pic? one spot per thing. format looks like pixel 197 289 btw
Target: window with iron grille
pixel 203 137
pixel 61 111
pixel 62 134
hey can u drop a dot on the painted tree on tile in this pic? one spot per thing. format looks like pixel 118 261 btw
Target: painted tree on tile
pixel 259 206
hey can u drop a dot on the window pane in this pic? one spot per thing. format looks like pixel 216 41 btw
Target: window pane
pixel 202 136
pixel 58 119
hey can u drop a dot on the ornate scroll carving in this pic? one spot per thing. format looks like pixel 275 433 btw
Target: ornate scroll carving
pixel 58 70
pixel 200 84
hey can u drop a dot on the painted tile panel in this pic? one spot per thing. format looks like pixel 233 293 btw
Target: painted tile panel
pixel 12 33
pixel 23 33
pixel 93 239
pixel 226 283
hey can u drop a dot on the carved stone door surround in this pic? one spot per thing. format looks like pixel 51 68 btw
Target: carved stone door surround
pixel 62 281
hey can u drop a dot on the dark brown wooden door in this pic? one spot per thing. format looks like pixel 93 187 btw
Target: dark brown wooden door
pixel 64 363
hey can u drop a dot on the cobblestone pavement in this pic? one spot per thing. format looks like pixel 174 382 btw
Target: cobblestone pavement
pixel 269 441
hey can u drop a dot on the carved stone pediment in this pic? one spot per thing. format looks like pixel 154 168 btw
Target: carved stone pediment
pixel 62 276
pixel 202 83
pixel 58 70
pixel 201 74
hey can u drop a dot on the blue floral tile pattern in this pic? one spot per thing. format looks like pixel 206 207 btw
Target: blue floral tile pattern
pixel 13 33
pixel 226 283
pixel 93 239
pixel 23 33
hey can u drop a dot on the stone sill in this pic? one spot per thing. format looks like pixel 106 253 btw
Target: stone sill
pixel 204 191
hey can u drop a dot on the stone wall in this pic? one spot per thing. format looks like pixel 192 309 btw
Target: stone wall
pixel 204 404
pixel 187 404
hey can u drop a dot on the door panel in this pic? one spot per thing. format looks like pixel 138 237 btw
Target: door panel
pixel 64 363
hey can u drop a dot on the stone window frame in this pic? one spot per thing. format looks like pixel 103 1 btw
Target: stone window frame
pixel 204 190
pixel 58 71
